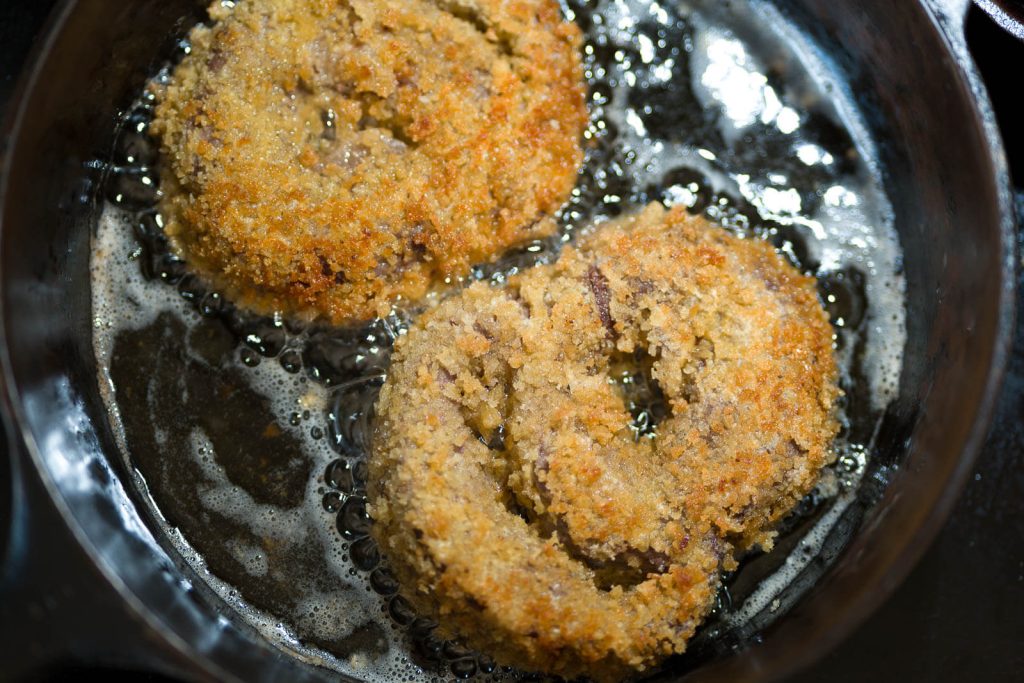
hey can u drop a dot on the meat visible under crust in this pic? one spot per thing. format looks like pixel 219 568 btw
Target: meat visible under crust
pixel 329 157
pixel 511 497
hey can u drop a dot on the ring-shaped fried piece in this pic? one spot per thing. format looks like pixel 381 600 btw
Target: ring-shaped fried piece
pixel 511 496
pixel 327 158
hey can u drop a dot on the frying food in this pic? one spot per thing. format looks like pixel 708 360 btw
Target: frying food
pixel 326 158
pixel 508 490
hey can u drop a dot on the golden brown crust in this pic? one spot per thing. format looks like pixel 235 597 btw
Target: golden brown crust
pixel 328 157
pixel 574 548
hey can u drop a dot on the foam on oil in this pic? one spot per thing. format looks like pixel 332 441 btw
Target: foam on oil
pixel 719 107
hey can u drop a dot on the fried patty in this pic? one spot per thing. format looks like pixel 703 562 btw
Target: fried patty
pixel 508 491
pixel 327 158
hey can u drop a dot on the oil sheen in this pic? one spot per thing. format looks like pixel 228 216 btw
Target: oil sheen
pixel 247 436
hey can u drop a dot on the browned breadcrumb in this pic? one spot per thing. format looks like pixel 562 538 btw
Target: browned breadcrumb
pixel 328 157
pixel 569 546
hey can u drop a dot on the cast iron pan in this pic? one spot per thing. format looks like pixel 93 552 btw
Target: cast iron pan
pixel 1009 14
pixel 91 584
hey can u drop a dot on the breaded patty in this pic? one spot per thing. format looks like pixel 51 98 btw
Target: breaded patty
pixel 329 157
pixel 508 491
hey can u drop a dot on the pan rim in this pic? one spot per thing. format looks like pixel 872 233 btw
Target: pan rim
pixel 20 438
pixel 890 573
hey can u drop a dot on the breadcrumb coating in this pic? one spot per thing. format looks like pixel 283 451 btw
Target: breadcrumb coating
pixel 507 489
pixel 326 158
